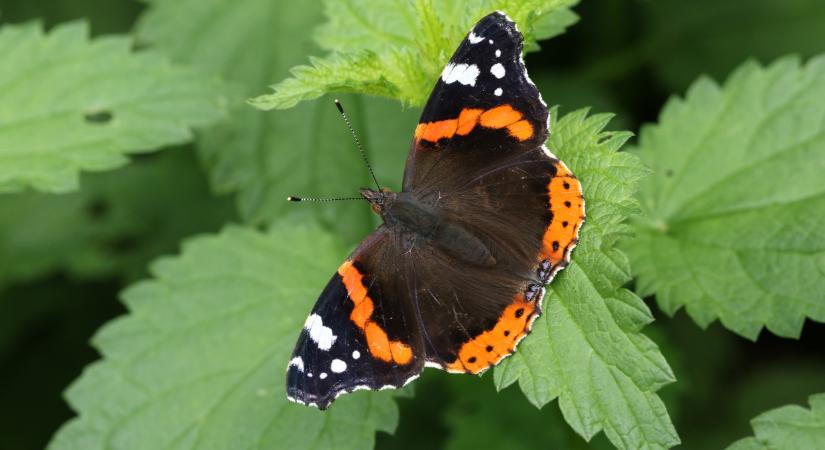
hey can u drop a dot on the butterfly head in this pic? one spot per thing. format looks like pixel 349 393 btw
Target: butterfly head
pixel 380 199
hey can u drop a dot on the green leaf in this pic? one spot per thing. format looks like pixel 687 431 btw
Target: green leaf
pixel 337 73
pixel 734 211
pixel 788 427
pixel 586 349
pixel 397 50
pixel 316 156
pixel 68 104
pixel 688 39
pixel 199 360
pixel 555 22
pixel 114 225
pixel 304 151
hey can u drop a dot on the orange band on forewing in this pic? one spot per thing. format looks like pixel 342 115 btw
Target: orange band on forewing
pixel 352 280
pixel 467 120
pixel 401 353
pixel 378 341
pixel 381 347
pixel 361 313
pixel 503 116
pixel 521 130
pixel 567 206
pixel 419 130
pixel 499 117
pixel 440 129
pixel 491 346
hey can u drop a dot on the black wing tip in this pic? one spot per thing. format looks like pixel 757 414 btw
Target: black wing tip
pixel 497 19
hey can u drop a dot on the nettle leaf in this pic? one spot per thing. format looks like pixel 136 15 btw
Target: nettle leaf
pixel 337 73
pixel 788 427
pixel 734 211
pixel 199 360
pixel 68 103
pixel 116 223
pixel 587 349
pixel 397 50
pixel 304 151
pixel 315 156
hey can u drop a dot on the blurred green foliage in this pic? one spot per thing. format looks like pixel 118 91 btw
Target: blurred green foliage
pixel 64 258
pixel 101 99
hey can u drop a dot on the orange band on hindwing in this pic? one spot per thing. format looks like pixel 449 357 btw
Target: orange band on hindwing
pixel 500 117
pixel 490 347
pixel 567 206
pixel 381 347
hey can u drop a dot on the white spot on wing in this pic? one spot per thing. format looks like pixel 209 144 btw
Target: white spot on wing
pixel 498 53
pixel 338 366
pixel 490 41
pixel 321 335
pixel 498 92
pixel 498 70
pixel 465 74
pixel 356 354
pixel 474 38
pixel 297 362
pixel 323 375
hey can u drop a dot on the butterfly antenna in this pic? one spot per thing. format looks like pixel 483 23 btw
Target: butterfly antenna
pixel 293 198
pixel 357 142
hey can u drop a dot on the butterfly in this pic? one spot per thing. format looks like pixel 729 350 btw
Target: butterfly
pixel 454 277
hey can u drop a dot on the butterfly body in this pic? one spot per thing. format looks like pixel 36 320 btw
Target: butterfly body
pixel 419 220
pixel 455 275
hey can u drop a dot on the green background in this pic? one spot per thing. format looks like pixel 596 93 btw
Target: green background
pixel 623 56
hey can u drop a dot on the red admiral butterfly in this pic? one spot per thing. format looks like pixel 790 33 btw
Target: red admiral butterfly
pixel 455 275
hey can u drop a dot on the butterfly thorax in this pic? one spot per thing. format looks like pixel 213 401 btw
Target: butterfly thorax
pixel 408 214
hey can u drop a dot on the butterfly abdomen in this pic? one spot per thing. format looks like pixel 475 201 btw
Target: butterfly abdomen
pixel 427 225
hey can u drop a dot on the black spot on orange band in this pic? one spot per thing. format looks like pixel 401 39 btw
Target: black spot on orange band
pixel 495 344
pixel 567 208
